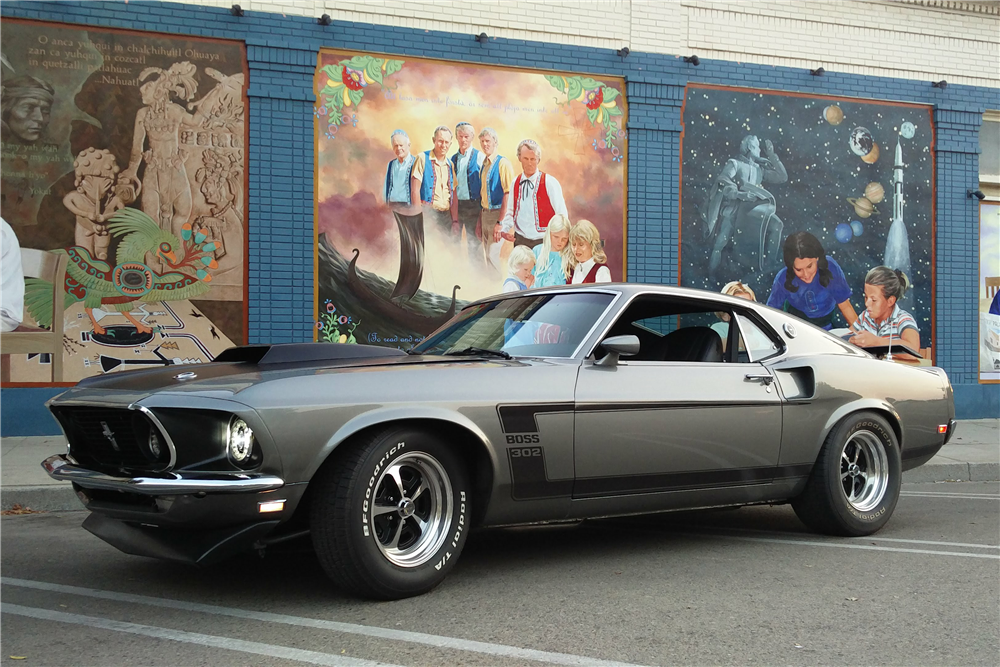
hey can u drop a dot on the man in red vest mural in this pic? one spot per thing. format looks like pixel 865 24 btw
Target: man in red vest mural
pixel 536 197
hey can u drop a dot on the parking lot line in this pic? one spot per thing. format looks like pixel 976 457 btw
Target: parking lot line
pixel 834 544
pixel 498 650
pixel 950 494
pixel 228 643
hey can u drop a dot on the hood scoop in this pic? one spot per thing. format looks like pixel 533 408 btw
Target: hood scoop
pixel 294 353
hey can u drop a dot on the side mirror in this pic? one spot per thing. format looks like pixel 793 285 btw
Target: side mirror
pixel 618 346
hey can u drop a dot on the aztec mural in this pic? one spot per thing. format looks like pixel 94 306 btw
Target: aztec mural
pixel 423 196
pixel 125 151
pixel 989 292
pixel 773 182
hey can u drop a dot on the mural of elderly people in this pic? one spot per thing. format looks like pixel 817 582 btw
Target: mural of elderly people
pixel 467 164
pixel 26 109
pixel 437 182
pixel 402 194
pixel 497 177
pixel 537 197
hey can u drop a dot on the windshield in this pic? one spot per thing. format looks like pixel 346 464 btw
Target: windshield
pixel 546 325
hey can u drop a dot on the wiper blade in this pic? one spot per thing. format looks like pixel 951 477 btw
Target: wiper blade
pixel 485 351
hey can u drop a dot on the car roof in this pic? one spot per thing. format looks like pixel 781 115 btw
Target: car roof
pixel 625 289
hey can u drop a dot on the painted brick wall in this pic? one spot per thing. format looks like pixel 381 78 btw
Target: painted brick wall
pixel 870 37
pixel 282 49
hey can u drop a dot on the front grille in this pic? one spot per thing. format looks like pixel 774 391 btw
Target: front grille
pixel 111 440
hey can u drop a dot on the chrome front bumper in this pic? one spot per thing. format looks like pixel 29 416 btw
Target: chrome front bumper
pixel 167 484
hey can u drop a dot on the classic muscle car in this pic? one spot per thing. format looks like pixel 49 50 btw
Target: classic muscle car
pixel 549 405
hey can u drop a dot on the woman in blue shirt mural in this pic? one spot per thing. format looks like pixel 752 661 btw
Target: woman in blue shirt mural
pixel 552 255
pixel 812 285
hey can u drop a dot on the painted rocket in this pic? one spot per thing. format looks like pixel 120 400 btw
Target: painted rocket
pixel 897 245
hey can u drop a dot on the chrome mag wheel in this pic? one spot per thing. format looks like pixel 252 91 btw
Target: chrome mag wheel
pixel 412 509
pixel 864 470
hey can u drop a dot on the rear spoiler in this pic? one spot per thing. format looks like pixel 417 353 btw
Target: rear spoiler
pixel 291 353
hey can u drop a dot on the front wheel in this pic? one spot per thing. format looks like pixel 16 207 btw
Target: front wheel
pixel 391 514
pixel 854 486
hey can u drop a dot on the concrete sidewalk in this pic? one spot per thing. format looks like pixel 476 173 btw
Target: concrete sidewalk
pixel 972 455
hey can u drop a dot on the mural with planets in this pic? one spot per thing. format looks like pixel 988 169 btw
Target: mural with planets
pixel 760 166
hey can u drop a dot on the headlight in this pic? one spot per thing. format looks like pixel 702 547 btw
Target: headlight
pixel 240 441
pixel 155 443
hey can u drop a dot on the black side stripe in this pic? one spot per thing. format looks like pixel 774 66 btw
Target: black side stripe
pixel 666 405
pixel 521 418
pixel 592 487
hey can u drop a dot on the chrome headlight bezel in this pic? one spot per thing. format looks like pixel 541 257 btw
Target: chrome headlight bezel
pixel 241 444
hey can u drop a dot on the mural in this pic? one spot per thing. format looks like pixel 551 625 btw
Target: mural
pixel 422 198
pixel 125 152
pixel 800 196
pixel 989 292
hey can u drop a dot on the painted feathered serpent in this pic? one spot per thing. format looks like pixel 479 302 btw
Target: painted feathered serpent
pixel 98 284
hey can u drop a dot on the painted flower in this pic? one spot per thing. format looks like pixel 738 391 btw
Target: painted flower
pixel 354 78
pixel 330 308
pixel 319 325
pixel 594 98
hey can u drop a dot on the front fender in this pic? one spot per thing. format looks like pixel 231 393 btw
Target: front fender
pixel 399 413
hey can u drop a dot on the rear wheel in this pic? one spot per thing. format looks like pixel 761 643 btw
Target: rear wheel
pixel 854 485
pixel 390 515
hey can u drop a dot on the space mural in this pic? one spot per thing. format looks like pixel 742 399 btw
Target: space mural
pixel 124 152
pixel 417 163
pixel 763 170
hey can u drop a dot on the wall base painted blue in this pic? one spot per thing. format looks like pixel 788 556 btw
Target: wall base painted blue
pixel 23 412
pixel 282 55
pixel 977 401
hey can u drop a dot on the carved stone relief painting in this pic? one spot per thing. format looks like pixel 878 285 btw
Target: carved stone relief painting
pixel 126 152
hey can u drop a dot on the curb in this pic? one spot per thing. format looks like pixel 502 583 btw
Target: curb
pixel 43 498
pixel 61 498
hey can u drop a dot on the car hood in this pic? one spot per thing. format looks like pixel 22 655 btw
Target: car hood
pixel 225 379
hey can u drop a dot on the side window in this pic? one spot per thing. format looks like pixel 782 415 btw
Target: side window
pixel 757 344
pixel 672 330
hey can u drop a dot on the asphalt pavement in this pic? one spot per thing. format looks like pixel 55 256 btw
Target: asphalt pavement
pixel 745 587
pixel 972 455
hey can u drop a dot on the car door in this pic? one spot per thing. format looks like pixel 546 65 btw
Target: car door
pixel 645 426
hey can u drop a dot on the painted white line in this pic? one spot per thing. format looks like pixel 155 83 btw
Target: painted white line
pixel 868 538
pixel 437 641
pixel 963 545
pixel 946 494
pixel 256 648
pixel 842 545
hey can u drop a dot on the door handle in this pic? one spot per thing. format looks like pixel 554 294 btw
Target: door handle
pixel 766 378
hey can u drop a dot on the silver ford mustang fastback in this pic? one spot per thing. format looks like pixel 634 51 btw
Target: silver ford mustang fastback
pixel 548 405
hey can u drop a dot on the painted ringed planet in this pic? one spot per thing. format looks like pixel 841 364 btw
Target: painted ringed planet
pixel 863 207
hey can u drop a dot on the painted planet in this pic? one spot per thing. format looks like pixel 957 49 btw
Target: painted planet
pixel 907 129
pixel 833 114
pixel 861 141
pixel 863 208
pixel 872 156
pixel 843 232
pixel 857 227
pixel 874 192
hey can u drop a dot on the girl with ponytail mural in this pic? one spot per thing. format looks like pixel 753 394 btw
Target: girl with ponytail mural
pixel 882 318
